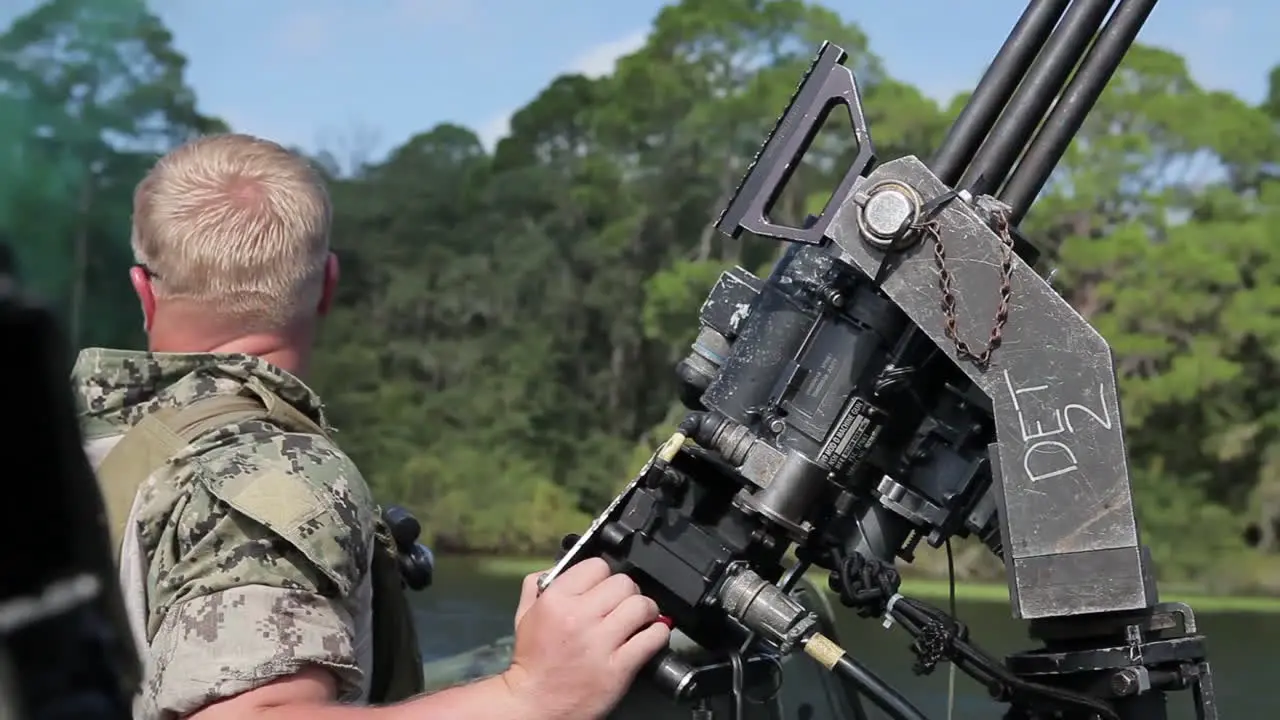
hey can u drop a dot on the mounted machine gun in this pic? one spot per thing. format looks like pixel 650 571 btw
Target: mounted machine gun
pixel 905 375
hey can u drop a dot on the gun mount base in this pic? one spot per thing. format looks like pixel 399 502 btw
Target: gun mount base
pixel 1129 660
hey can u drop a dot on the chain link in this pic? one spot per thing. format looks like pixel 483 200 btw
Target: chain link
pixel 963 349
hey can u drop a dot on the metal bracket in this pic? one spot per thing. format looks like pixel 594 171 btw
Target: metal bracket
pixel 826 84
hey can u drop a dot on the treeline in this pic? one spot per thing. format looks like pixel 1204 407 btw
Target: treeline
pixel 501 356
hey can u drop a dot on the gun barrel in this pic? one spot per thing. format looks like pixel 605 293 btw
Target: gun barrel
pixel 1051 142
pixel 1033 97
pixel 995 88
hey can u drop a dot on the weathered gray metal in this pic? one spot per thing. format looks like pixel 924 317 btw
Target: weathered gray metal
pixel 1059 461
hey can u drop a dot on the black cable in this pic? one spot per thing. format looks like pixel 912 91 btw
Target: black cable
pixel 955 614
pixel 1004 685
pixel 867 585
pixel 876 690
pixel 737 711
pixel 951 579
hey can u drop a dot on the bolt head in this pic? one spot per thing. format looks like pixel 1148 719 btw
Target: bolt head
pixel 888 214
pixel 1124 683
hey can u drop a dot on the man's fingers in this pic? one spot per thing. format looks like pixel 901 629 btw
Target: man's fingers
pixel 631 616
pixel 581 577
pixel 642 646
pixel 575 581
pixel 528 593
pixel 608 595
pixel 529 586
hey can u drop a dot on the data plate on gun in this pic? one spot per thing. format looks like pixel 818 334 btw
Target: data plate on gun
pixel 851 439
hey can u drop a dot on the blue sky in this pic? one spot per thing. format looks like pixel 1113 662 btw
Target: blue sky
pixel 350 74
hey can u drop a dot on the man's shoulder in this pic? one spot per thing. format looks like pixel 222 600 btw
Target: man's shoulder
pixel 257 565
pixel 252 454
pixel 301 487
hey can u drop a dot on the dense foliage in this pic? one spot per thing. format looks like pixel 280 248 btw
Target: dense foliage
pixel 501 355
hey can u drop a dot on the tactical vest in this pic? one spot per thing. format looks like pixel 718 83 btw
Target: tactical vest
pixel 397 661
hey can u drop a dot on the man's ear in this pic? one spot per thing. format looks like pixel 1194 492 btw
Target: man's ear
pixel 330 285
pixel 141 282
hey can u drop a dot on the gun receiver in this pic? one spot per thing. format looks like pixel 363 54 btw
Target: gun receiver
pixel 846 407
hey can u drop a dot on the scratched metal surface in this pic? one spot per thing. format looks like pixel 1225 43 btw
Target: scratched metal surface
pixel 1062 465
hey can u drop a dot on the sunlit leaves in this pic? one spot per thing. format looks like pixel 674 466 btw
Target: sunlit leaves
pixel 501 357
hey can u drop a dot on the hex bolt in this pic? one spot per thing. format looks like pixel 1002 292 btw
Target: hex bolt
pixel 888 214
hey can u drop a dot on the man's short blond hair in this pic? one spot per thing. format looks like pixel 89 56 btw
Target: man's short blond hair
pixel 237 225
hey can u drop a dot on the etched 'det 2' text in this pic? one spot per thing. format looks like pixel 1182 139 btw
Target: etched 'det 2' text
pixel 1049 431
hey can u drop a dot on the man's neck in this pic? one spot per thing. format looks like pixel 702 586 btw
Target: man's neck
pixel 285 350
pixel 275 350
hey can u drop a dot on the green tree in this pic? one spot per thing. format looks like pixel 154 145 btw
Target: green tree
pixel 500 356
pixel 93 91
pixel 583 248
pixel 1164 222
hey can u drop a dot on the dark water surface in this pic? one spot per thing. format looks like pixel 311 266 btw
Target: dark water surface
pixel 465 609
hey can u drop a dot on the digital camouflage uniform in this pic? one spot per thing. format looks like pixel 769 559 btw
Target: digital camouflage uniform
pixel 241 584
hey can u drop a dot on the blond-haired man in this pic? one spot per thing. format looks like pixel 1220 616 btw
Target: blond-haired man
pixel 245 555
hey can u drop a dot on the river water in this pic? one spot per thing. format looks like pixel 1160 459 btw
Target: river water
pixel 464 609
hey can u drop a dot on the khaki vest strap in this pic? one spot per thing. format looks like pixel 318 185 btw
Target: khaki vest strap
pixel 282 414
pixel 162 434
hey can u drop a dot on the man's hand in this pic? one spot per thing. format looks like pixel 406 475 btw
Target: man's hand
pixel 581 643
pixel 578 648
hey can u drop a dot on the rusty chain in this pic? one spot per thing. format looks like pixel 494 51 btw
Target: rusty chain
pixel 963 349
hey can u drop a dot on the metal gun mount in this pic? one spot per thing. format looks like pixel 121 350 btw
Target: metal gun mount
pixel 1060 468
pixel 1074 560
pixel 839 408
pixel 1072 550
pixel 1059 464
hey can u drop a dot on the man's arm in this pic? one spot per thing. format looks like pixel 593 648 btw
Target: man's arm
pixel 255 619
pixel 310 694
pixel 255 574
pixel 256 579
pixel 578 647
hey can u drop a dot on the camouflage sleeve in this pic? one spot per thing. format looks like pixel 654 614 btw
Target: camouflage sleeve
pixel 266 575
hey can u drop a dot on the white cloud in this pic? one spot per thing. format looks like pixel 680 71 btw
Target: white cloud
pixel 494 129
pixel 596 61
pixel 600 59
